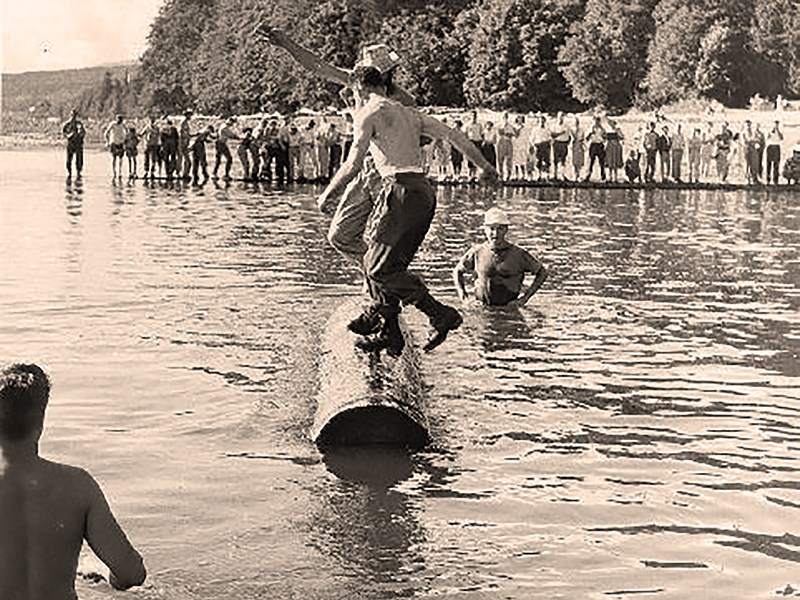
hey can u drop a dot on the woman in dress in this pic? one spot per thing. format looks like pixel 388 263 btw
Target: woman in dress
pixel 614 158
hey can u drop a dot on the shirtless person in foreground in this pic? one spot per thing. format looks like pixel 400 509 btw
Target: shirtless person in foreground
pixel 47 509
pixel 403 211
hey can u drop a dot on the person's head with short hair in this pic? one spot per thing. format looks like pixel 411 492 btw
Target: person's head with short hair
pixel 119 118
pixel 369 80
pixel 495 226
pixel 24 393
pixel 188 113
pixel 311 124
pixel 458 124
pixel 74 113
pixel 651 126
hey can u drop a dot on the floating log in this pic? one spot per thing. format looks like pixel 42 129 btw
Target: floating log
pixel 367 398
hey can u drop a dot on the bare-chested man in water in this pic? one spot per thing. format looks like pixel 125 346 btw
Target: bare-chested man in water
pixel 47 509
pixel 403 211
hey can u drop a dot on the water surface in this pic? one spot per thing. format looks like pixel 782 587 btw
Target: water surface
pixel 632 433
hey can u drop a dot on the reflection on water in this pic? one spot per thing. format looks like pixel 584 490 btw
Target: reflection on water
pixel 632 432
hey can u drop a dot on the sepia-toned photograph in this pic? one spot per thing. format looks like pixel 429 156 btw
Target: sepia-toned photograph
pixel 373 300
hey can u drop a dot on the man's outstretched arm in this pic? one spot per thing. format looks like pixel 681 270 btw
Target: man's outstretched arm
pixel 305 57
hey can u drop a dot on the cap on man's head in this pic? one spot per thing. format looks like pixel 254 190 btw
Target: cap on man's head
pixel 496 216
pixel 379 56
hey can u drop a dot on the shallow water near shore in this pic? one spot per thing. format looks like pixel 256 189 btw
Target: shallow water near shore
pixel 632 433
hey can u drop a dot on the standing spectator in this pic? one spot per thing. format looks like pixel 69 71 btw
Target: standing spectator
pixel 334 139
pixel 169 148
pixel 226 133
pixel 722 150
pixel 596 136
pixel 578 148
pixel 505 147
pixel 184 164
pixel 295 154
pixel 677 145
pixel 75 132
pixel 650 144
pixel 664 147
pixel 256 150
pixel 308 151
pixel 707 151
pixel 283 166
pixel 488 149
pixel 540 143
pixel 323 148
pixel 199 159
pixel 456 158
pixel 521 151
pixel 131 151
pixel 749 141
pixel 759 152
pixel 152 153
pixel 474 133
pixel 614 156
pixel 115 140
pixel 243 152
pixel 272 152
pixel 694 147
pixel 774 139
pixel 559 132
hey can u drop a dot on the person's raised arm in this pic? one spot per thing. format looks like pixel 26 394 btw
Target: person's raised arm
pixel 106 538
pixel 362 134
pixel 305 57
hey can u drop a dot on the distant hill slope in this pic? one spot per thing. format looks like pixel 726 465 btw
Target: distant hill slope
pixel 56 88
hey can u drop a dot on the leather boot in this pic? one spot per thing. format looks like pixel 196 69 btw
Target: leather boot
pixel 443 319
pixel 368 322
pixel 390 338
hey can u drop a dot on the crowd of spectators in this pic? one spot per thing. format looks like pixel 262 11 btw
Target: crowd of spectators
pixel 652 149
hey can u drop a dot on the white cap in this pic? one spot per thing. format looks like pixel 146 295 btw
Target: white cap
pixel 379 56
pixel 496 216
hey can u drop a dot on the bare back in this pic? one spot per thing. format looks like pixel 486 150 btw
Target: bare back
pixel 394 131
pixel 46 510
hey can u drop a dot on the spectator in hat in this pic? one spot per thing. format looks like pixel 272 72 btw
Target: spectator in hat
pixel 498 266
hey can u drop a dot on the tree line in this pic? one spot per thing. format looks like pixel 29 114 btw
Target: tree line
pixel 518 55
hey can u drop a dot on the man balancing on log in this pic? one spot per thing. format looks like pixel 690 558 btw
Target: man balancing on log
pixel 403 210
pixel 346 233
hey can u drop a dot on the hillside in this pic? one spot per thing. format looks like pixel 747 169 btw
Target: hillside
pixel 55 89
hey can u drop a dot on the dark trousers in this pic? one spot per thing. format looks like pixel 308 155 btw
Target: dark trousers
pixel 597 151
pixel 773 162
pixel 75 151
pixel 399 222
pixel 489 153
pixel 223 151
pixel 170 160
pixel 200 161
pixel 335 160
pixel 650 164
pixel 255 157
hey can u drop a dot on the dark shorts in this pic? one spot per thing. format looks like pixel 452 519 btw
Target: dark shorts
pixel 132 152
pixel 117 150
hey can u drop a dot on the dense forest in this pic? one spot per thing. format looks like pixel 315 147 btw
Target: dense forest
pixel 522 55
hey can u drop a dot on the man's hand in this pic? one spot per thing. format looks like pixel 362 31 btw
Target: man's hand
pixel 325 202
pixel 274 36
pixel 489 177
